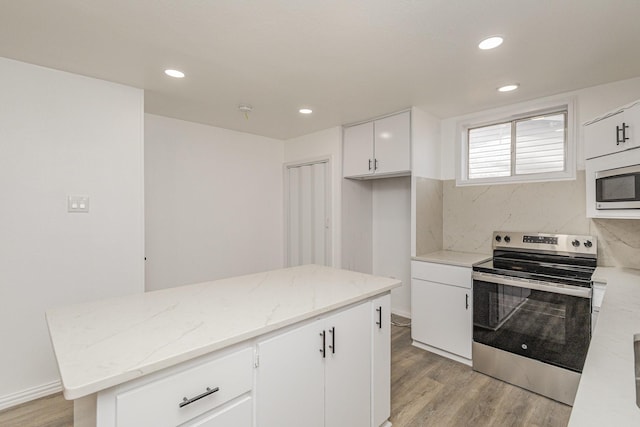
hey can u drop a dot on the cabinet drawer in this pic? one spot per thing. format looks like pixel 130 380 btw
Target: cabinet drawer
pixel 238 415
pixel 157 403
pixel 441 273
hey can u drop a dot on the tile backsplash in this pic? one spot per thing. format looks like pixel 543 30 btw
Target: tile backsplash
pixel 429 211
pixel 470 214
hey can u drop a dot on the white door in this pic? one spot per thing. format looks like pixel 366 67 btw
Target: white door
pixel 381 363
pixel 348 368
pixel 307 210
pixel 443 318
pixel 357 150
pixel 290 379
pixel 393 144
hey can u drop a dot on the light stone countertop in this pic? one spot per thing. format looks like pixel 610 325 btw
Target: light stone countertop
pixel 462 259
pixel 606 394
pixel 108 342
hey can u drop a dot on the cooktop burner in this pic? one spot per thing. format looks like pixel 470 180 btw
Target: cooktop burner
pixel 557 258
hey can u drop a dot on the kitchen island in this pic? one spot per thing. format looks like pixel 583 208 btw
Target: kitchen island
pixel 606 393
pixel 109 350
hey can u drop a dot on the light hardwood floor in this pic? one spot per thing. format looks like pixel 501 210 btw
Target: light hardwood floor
pixel 426 390
pixel 430 390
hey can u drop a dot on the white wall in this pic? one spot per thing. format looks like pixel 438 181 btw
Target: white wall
pixel 325 143
pixel 391 207
pixel 213 202
pixel 62 134
pixel 590 102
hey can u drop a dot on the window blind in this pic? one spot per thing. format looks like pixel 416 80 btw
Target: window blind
pixel 530 145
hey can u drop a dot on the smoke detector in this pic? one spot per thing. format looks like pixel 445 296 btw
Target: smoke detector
pixel 245 109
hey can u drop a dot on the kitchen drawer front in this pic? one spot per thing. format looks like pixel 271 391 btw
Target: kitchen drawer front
pixel 239 414
pixel 442 273
pixel 157 403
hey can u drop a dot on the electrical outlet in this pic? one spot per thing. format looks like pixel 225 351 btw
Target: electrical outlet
pixel 78 204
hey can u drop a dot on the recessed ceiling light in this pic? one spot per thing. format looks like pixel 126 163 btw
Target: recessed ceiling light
pixel 305 111
pixel 174 73
pixel 508 88
pixel 491 42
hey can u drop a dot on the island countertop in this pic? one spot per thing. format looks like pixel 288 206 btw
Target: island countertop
pixel 108 342
pixel 606 394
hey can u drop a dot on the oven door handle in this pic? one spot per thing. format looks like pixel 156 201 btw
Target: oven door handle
pixel 575 291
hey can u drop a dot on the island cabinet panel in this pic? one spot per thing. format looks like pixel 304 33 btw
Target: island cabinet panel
pixel 239 414
pixel 348 368
pixel 381 362
pixel 319 373
pixel 290 377
pixel 183 395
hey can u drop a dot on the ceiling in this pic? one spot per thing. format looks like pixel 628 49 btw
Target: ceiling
pixel 348 60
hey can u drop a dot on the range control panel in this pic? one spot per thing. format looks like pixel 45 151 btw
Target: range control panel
pixel 546 242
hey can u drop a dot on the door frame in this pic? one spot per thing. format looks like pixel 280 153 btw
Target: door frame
pixel 328 205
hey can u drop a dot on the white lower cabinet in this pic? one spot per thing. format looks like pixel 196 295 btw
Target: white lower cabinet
pixel 318 374
pixel 239 414
pixel 330 372
pixel 441 312
pixel 381 362
pixel 182 395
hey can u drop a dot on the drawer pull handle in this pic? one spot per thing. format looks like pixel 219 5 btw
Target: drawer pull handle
pixel 209 391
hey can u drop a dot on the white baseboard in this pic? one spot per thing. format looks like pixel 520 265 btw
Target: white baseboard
pixel 442 353
pixel 13 399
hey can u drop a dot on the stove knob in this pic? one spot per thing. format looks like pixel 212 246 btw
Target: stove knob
pixel 575 243
pixel 498 238
pixel 507 239
pixel 588 243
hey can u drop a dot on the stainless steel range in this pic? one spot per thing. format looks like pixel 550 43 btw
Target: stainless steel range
pixel 532 311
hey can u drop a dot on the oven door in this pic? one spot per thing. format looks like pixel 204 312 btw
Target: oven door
pixel 542 321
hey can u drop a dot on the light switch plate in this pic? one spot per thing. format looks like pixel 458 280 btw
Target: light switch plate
pixel 78 204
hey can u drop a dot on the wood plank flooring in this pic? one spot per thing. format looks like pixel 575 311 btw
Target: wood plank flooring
pixel 426 390
pixel 430 390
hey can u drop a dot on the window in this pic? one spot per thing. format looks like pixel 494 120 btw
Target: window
pixel 531 146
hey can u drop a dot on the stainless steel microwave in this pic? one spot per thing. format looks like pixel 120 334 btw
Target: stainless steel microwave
pixel 618 188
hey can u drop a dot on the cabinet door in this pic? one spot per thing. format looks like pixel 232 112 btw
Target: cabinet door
pixel 381 360
pixel 392 146
pixel 290 378
pixel 632 120
pixel 358 150
pixel 348 368
pixel 601 137
pixel 441 316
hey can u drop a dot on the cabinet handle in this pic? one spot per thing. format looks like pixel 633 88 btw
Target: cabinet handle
pixel 375 165
pixel 379 322
pixel 323 350
pixel 369 164
pixel 332 331
pixel 186 401
pixel 623 130
pixel 618 129
pixel 466 301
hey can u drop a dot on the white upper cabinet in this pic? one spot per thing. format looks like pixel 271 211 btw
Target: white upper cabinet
pixel 378 148
pixel 358 150
pixel 616 131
